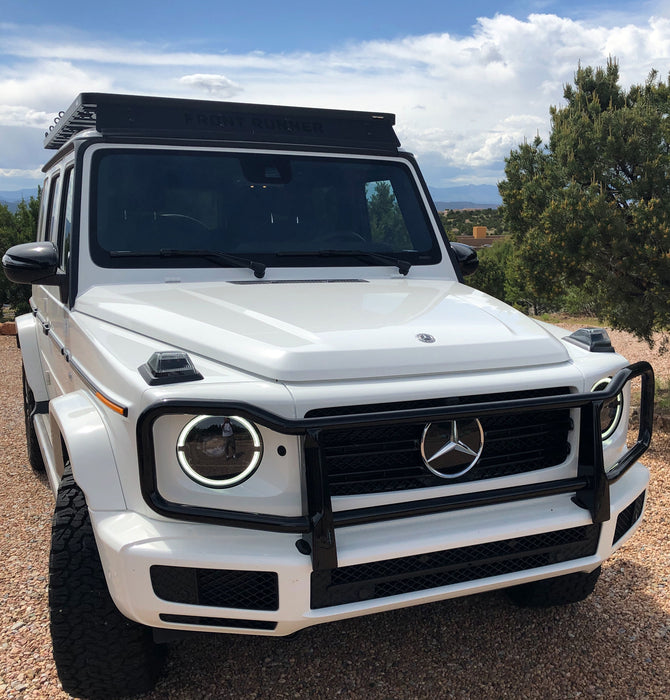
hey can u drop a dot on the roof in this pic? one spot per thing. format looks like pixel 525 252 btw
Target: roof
pixel 166 117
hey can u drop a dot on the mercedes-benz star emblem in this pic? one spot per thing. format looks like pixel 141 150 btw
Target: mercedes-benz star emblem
pixel 451 448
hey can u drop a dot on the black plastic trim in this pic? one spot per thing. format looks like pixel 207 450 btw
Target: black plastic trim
pixel 218 622
pixel 154 375
pixel 40 408
pixel 151 380
pixel 591 339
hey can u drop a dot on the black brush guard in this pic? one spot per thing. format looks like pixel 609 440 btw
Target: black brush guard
pixel 317 527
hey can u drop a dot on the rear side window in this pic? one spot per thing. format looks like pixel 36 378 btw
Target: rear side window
pixel 52 209
pixel 65 224
pixel 44 210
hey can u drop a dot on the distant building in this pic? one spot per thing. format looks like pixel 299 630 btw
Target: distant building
pixel 483 242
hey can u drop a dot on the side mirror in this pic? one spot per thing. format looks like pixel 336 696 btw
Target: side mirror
pixel 467 258
pixel 32 263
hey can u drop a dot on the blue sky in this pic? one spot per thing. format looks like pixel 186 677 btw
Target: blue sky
pixel 467 80
pixel 276 25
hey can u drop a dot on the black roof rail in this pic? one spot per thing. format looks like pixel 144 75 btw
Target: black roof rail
pixel 208 120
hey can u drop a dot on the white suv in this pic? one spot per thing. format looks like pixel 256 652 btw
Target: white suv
pixel 265 399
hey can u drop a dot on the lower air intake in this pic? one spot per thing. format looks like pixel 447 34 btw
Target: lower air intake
pixel 391 577
pixel 628 517
pixel 221 588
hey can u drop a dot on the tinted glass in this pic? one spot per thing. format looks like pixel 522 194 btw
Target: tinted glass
pixel 65 232
pixel 52 212
pixel 263 206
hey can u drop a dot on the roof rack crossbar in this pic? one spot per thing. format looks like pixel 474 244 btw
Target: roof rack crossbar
pixel 206 120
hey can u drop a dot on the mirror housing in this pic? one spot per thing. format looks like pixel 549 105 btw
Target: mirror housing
pixel 32 263
pixel 467 258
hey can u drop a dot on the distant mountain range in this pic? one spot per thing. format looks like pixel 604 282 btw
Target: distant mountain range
pixel 11 198
pixel 461 197
pixel 466 197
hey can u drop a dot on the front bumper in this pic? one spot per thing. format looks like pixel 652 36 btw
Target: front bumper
pixel 206 577
pixel 204 568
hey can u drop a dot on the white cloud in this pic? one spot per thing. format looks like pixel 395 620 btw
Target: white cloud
pixel 48 85
pixel 217 85
pixel 20 115
pixel 462 102
pixel 14 173
pixel 502 138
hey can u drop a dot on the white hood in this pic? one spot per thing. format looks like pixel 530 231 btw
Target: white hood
pixel 330 330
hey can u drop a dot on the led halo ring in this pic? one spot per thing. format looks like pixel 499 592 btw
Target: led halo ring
pixel 610 414
pixel 195 444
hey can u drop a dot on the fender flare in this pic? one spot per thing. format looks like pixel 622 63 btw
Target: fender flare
pixel 76 419
pixel 27 337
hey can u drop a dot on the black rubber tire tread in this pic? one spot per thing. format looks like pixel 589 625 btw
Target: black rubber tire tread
pixel 99 653
pixel 560 590
pixel 32 445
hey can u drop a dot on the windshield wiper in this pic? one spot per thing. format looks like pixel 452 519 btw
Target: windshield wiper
pixel 402 265
pixel 257 267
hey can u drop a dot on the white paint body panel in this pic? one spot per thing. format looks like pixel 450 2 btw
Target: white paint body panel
pixel 297 332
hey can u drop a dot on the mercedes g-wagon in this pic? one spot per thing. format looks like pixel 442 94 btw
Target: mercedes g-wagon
pixel 265 399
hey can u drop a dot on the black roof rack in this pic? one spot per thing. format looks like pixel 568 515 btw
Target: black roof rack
pixel 166 117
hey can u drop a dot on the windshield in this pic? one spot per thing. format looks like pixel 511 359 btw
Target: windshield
pixel 279 210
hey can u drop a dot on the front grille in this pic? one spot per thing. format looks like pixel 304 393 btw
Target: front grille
pixel 390 577
pixel 628 517
pixel 221 588
pixel 387 458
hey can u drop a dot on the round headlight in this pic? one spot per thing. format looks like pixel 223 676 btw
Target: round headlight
pixel 610 414
pixel 219 451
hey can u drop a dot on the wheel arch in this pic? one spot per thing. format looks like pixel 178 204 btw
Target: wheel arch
pixel 80 436
pixel 27 338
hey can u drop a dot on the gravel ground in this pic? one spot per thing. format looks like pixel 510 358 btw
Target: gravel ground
pixel 614 645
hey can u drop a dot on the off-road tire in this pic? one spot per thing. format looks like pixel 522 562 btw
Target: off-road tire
pixel 32 446
pixel 560 590
pixel 99 653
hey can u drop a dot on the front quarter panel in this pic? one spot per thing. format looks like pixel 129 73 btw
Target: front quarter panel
pixel 77 420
